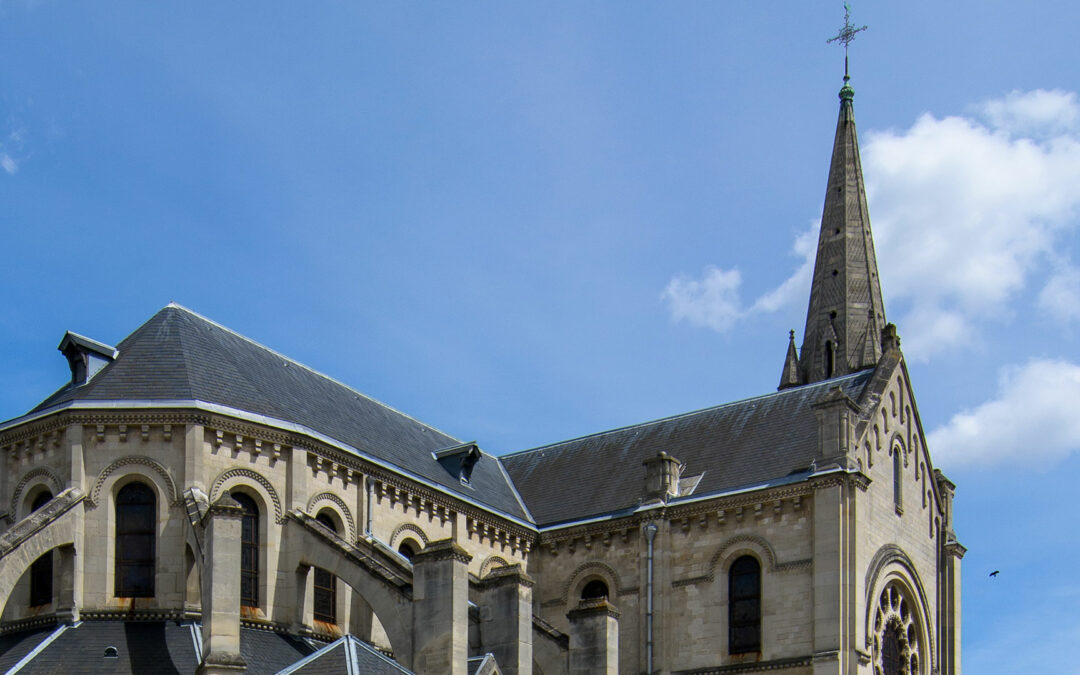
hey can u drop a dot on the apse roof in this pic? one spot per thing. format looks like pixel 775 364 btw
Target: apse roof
pixel 740 445
pixel 180 356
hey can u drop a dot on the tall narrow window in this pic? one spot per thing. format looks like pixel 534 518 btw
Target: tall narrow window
pixel 830 358
pixel 325 599
pixel 41 571
pixel 744 606
pixel 249 550
pixel 898 473
pixel 136 531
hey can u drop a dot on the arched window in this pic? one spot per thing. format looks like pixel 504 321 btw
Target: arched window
pixel 136 533
pixel 41 571
pixel 325 600
pixel 594 589
pixel 898 472
pixel 249 550
pixel 744 606
pixel 408 549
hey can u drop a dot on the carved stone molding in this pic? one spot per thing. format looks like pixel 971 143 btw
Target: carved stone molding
pixel 41 471
pixel 593 567
pixel 408 527
pixel 217 486
pixel 890 554
pixel 135 460
pixel 492 562
pixel 340 503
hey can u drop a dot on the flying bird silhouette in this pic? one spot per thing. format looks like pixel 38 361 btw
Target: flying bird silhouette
pixel 995 573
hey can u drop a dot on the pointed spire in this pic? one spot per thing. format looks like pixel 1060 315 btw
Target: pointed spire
pixel 790 375
pixel 846 314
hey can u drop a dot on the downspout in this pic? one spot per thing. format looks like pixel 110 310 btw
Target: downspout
pixel 370 504
pixel 650 535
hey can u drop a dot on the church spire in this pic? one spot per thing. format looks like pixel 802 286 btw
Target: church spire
pixel 845 315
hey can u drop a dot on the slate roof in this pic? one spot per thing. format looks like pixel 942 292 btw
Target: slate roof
pixel 180 356
pixel 737 445
pixel 142 648
pixel 346 656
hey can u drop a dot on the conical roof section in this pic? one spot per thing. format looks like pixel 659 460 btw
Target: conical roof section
pixel 846 314
pixel 179 358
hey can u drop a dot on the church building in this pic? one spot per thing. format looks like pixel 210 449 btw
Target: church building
pixel 192 501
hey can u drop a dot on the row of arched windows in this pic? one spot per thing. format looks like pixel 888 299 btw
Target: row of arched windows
pixel 135 553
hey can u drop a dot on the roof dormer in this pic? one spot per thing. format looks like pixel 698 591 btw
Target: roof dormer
pixel 459 460
pixel 85 357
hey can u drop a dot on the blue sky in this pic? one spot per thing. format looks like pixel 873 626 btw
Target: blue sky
pixel 523 222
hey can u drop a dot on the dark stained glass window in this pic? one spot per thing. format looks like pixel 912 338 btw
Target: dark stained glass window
pixel 249 550
pixel 744 606
pixel 594 589
pixel 892 661
pixel 407 550
pixel 41 571
pixel 136 532
pixel 325 600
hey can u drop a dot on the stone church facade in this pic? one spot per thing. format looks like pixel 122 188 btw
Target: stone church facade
pixel 193 501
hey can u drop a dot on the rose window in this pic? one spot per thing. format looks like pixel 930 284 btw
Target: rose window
pixel 896 636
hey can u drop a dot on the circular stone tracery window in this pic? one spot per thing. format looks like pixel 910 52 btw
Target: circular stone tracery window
pixel 896 637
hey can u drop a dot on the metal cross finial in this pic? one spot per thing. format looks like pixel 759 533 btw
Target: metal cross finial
pixel 845 36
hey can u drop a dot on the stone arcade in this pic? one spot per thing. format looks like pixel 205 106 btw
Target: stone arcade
pixel 194 502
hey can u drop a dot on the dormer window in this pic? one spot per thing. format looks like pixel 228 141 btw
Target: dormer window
pixel 459 460
pixel 85 357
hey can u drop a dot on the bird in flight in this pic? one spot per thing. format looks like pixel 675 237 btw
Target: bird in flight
pixel 995 573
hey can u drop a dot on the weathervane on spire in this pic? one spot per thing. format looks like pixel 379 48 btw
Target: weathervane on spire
pixel 845 36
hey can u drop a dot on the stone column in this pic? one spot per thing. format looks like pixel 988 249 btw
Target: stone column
pixel 594 638
pixel 69 591
pixel 194 441
pixel 506 619
pixel 221 590
pixel 441 609
pixel 76 467
pixel 297 478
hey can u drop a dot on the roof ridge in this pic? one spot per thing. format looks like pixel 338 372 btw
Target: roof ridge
pixel 784 392
pixel 176 305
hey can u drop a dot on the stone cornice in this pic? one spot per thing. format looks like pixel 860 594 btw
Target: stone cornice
pixel 443 549
pixel 51 422
pixel 593 607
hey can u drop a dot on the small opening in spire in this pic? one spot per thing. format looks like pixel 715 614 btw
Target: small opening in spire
pixel 830 358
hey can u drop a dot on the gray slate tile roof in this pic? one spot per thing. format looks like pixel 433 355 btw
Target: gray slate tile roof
pixel 736 445
pixel 142 648
pixel 346 656
pixel 179 355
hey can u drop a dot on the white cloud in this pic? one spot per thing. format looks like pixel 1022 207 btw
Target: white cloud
pixel 966 212
pixel 1038 113
pixel 8 163
pixel 1033 419
pixel 1061 295
pixel 712 302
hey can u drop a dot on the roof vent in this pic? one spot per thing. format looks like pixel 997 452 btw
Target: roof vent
pixel 459 460
pixel 86 357
pixel 662 474
pixel 111 653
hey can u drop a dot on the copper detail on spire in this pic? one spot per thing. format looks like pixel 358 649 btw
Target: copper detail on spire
pixel 845 37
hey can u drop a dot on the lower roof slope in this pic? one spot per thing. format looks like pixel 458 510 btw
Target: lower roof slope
pixel 180 356
pixel 736 445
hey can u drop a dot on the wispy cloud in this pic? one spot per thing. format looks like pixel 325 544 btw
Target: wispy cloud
pixel 713 300
pixel 13 143
pixel 1040 395
pixel 965 210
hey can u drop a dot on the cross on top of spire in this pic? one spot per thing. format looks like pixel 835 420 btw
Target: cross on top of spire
pixel 846 35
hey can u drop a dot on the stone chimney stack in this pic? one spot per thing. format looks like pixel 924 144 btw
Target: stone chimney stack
pixel 662 473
